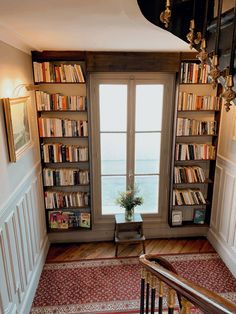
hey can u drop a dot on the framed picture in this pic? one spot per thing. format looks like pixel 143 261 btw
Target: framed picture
pixel 177 217
pixel 199 216
pixel 18 126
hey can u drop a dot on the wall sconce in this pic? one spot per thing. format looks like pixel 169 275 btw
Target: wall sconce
pixel 228 94
pixel 31 87
pixel 18 89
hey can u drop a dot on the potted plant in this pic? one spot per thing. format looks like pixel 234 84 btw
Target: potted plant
pixel 128 200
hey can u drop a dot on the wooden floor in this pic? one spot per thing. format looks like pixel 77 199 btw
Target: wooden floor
pixel 76 251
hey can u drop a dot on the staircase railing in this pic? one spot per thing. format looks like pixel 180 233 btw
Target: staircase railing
pixel 159 278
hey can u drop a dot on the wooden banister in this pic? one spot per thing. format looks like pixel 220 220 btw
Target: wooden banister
pixel 204 299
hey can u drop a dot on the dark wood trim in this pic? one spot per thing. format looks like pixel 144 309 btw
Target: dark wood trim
pixel 106 61
pixel 53 55
pixel 191 55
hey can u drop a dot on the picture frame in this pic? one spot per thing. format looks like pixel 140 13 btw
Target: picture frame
pixel 199 216
pixel 17 126
pixel 177 217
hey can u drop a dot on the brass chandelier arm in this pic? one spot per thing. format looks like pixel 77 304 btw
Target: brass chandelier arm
pixel 165 16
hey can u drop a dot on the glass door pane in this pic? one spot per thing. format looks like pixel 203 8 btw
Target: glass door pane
pixel 149 103
pixel 147 153
pixel 148 187
pixel 113 107
pixel 148 127
pixel 113 153
pixel 113 143
pixel 111 186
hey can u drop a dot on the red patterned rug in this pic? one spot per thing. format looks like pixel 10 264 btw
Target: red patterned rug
pixel 113 285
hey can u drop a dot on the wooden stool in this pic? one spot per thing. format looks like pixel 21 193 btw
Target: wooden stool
pixel 128 231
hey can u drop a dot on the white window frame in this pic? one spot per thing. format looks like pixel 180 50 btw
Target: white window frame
pixel 168 80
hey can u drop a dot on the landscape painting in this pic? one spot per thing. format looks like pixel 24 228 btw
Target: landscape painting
pixel 17 125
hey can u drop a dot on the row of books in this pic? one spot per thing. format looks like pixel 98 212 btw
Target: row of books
pixel 189 101
pixel 62 73
pixel 65 176
pixel 199 216
pixel 194 151
pixel 57 152
pixel 195 127
pixel 68 219
pixel 47 102
pixel 56 199
pixel 192 72
pixel 188 197
pixel 54 127
pixel 191 174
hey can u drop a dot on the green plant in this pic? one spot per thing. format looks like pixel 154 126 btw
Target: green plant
pixel 129 198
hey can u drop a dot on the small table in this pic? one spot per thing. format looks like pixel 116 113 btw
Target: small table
pixel 129 231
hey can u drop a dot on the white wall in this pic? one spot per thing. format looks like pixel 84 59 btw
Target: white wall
pixel 23 239
pixel 222 233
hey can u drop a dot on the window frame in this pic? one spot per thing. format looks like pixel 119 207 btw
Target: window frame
pixel 132 79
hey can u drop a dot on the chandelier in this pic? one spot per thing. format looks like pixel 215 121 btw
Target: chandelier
pixel 198 39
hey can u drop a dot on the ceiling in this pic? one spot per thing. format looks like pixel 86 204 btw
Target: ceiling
pixel 105 25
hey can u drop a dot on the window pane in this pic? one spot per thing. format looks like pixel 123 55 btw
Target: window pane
pixel 148 187
pixel 113 107
pixel 113 153
pixel 149 102
pixel 147 153
pixel 111 186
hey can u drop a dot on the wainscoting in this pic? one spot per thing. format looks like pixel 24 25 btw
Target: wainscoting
pixel 23 245
pixel 222 232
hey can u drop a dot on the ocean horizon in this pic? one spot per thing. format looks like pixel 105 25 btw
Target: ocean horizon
pixel 114 182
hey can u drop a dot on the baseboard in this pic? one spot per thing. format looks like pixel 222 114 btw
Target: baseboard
pixel 226 253
pixel 29 296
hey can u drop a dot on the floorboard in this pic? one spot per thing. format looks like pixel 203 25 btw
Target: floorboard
pixel 64 252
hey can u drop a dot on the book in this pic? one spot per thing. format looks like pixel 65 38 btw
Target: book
pixel 58 220
pixel 199 216
pixel 84 220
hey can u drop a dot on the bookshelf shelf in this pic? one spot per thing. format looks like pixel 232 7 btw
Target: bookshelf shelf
pixel 192 183
pixel 197 111
pixel 193 161
pixel 185 84
pixel 59 83
pixel 65 186
pixel 192 206
pixel 67 208
pixel 190 223
pixel 54 230
pixel 78 137
pixel 62 111
pixel 202 135
pixel 65 162
pixel 78 111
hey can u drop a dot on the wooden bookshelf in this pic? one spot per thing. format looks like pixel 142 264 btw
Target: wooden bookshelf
pixel 61 101
pixel 197 111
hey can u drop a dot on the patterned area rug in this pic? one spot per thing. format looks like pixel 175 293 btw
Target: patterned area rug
pixel 113 285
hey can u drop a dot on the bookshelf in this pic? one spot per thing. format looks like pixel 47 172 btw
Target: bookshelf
pixel 196 129
pixel 63 123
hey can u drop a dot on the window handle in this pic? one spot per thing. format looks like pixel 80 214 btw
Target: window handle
pixel 130 175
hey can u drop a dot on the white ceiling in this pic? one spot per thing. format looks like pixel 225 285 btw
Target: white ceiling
pixel 105 25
